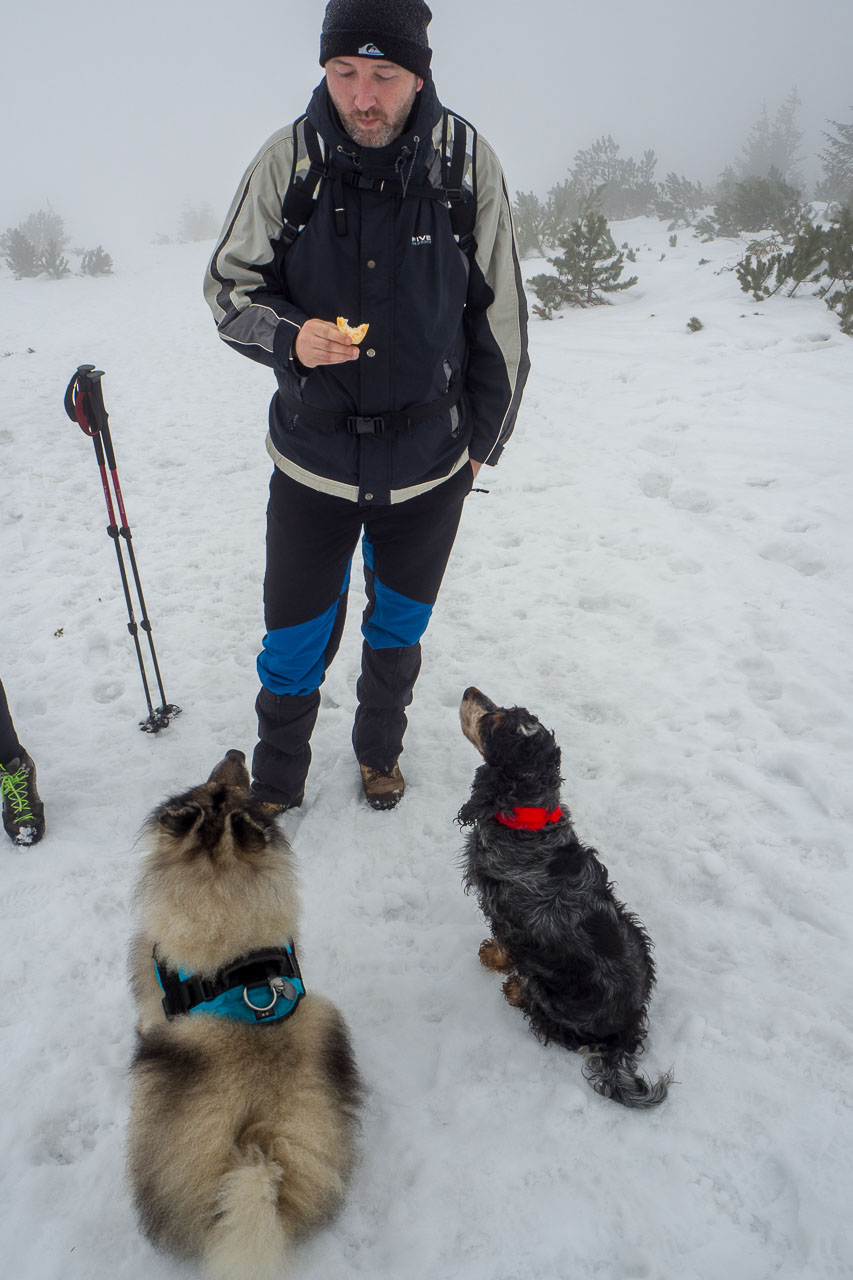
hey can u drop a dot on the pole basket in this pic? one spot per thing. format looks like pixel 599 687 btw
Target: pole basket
pixel 159 718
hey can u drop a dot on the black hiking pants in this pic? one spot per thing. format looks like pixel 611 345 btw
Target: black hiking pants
pixel 10 747
pixel 311 538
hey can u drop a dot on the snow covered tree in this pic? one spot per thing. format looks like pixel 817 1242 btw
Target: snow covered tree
pixel 837 163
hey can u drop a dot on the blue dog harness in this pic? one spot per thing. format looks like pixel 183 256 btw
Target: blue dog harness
pixel 263 986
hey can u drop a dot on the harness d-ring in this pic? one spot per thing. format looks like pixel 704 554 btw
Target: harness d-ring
pixel 261 1008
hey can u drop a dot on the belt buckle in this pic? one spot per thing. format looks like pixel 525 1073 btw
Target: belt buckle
pixel 365 426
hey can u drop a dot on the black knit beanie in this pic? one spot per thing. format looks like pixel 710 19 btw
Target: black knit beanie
pixel 392 29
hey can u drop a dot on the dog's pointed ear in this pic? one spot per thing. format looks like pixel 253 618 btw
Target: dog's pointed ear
pixel 178 819
pixel 249 833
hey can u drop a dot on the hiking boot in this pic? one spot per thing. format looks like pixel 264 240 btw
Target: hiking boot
pixel 23 811
pixel 272 809
pixel 382 790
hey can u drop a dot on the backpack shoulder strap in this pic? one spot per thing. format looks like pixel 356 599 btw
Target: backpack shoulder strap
pixel 459 170
pixel 306 179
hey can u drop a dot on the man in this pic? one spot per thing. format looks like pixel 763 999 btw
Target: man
pixel 383 439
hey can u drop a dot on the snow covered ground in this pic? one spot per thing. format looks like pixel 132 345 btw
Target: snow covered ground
pixel 662 571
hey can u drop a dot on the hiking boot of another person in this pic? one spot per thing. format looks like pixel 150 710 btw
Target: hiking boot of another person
pixel 271 809
pixel 23 811
pixel 382 790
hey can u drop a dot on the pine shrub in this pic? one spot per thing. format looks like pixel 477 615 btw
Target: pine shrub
pixel 589 267
pixel 679 201
pixel 838 291
pixel 773 145
pixel 528 215
pixel 818 255
pixel 562 207
pixel 627 187
pixel 96 262
pixel 758 204
pixel 197 222
pixel 837 163
pixel 552 295
pixel 52 262
pixel 591 264
pixel 43 228
pixel 21 255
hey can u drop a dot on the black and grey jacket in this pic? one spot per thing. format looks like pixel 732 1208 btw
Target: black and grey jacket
pixel 437 315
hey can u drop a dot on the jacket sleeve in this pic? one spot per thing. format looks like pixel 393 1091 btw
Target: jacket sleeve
pixel 243 284
pixel 498 362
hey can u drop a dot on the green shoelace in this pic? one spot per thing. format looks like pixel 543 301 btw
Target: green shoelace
pixel 15 787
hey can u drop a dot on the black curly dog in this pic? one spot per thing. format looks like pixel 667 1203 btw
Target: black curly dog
pixel 579 963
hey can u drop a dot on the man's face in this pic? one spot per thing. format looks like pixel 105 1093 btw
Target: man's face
pixel 373 97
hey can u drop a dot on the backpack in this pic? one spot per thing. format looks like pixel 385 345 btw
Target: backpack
pixel 453 137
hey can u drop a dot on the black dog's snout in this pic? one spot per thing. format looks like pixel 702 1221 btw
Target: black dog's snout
pixel 474 695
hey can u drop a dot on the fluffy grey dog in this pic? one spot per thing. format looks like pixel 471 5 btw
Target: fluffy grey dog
pixel 578 963
pixel 244 1092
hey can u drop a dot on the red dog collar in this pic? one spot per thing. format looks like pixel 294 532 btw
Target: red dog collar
pixel 522 819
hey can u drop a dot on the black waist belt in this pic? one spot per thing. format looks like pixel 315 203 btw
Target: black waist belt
pixel 399 420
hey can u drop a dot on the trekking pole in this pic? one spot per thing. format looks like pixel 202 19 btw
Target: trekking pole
pixel 84 404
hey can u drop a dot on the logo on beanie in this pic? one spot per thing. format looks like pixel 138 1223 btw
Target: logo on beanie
pixel 370 51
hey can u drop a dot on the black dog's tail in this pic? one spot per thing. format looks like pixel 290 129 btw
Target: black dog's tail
pixel 615 1076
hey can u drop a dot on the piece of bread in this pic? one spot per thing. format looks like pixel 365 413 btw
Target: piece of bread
pixel 355 332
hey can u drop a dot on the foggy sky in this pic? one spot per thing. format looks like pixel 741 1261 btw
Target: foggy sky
pixel 119 114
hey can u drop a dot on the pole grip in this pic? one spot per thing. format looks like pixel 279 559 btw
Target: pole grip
pixel 101 423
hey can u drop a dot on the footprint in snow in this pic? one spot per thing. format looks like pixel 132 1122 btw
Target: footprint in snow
pixel 695 500
pixel 655 484
pixel 109 692
pixel 793 555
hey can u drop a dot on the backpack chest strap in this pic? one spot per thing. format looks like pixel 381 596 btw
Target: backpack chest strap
pixel 453 138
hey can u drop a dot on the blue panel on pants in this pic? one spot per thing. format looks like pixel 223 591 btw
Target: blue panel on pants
pixel 396 621
pixel 293 660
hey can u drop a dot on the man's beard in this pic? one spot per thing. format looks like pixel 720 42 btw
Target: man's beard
pixel 379 135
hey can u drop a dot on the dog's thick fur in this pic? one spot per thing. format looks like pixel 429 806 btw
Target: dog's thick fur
pixel 242 1136
pixel 578 963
